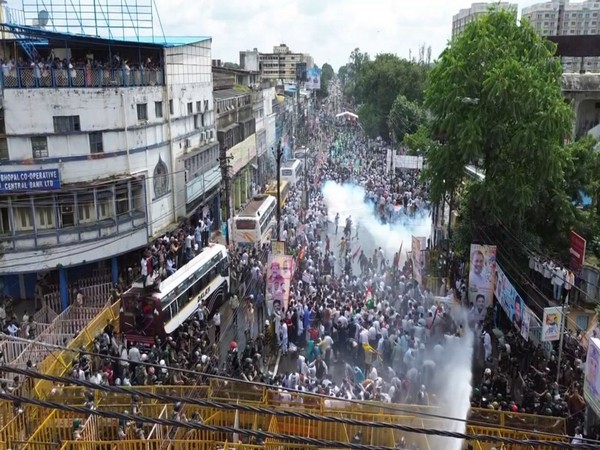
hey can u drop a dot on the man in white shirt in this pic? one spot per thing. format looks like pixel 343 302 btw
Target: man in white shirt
pixel 217 324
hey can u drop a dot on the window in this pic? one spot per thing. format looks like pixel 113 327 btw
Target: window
pixel 44 217
pixel 158 110
pixel 96 145
pixel 142 111
pixel 198 106
pixel 66 124
pixel 39 147
pixel 122 200
pixel 196 121
pixel 67 213
pixel 4 221
pixel 161 179
pixel 205 105
pixel 171 107
pixel 190 108
pixel 23 219
pixel 3 148
pixel 85 206
pixel 104 210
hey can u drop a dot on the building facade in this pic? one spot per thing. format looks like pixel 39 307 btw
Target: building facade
pixel 97 159
pixel 467 15
pixel 280 65
pixel 563 18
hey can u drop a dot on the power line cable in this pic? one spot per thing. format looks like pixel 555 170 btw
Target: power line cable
pixel 248 383
pixel 291 438
pixel 233 406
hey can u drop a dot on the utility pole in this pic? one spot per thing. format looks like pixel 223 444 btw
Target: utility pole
pixel 563 321
pixel 278 157
pixel 224 165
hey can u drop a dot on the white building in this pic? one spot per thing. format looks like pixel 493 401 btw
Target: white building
pixel 98 159
pixel 562 18
pixel 467 15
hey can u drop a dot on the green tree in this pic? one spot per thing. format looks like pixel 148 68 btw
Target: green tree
pixel 327 75
pixel 378 84
pixel 405 117
pixel 495 96
pixel 419 142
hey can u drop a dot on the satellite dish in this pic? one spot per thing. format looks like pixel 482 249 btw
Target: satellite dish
pixel 43 18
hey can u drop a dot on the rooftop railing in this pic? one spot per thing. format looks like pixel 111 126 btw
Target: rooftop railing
pixel 31 78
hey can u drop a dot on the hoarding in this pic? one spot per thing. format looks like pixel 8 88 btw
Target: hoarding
pixel 591 384
pixel 418 245
pixel 29 180
pixel 279 277
pixel 512 303
pixel 482 273
pixel 313 79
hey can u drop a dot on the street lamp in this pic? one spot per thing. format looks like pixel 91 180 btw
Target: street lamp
pixel 278 156
pixel 224 165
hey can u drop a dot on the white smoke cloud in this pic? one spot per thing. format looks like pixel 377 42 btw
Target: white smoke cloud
pixel 348 200
pixel 452 378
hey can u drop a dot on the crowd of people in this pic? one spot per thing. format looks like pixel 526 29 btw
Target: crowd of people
pixel 356 325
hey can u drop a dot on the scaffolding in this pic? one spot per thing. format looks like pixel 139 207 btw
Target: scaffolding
pixel 132 20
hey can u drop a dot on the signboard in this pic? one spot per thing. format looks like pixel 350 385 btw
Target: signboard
pixel 418 245
pixel 551 324
pixel 577 250
pixel 408 162
pixel 313 79
pixel 512 303
pixel 277 247
pixel 482 273
pixel 242 153
pixel 591 384
pixel 29 180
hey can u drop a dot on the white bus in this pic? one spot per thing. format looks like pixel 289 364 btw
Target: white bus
pixel 160 309
pixel 291 171
pixel 255 223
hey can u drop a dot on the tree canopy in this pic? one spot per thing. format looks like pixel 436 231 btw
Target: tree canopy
pixel 496 101
pixel 327 75
pixel 405 117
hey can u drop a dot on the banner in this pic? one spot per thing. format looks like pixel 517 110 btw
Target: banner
pixel 482 273
pixel 279 277
pixel 418 245
pixel 512 303
pixel 577 250
pixel 313 79
pixel 551 324
pixel 591 384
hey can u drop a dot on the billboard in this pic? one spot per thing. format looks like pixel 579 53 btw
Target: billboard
pixel 313 79
pixel 279 277
pixel 29 180
pixel 512 303
pixel 577 250
pixel 551 324
pixel 482 273
pixel 591 384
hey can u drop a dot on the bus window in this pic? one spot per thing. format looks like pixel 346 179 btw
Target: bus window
pixel 242 224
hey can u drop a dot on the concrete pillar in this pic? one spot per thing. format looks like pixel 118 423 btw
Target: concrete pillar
pixel 64 288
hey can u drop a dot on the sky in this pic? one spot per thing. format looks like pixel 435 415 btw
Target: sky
pixel 327 29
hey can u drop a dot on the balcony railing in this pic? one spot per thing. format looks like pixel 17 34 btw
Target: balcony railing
pixel 31 78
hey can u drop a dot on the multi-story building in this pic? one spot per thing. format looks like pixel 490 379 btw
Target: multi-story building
pixel 468 15
pixel 562 18
pixel 104 144
pixel 236 132
pixel 279 66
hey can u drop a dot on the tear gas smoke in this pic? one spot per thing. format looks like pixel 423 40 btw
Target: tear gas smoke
pixel 450 379
pixel 349 200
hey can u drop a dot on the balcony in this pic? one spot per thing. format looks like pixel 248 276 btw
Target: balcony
pixel 32 78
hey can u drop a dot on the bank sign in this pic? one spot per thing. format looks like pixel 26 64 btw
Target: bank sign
pixel 29 180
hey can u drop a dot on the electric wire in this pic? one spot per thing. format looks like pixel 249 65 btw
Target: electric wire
pixel 291 438
pixel 132 391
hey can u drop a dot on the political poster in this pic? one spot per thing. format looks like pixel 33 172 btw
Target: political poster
pixel 551 324
pixel 591 384
pixel 482 274
pixel 279 276
pixel 313 79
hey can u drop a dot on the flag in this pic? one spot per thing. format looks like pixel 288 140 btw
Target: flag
pixel 400 254
pixel 357 252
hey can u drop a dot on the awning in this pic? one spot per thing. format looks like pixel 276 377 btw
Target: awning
pixel 254 166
